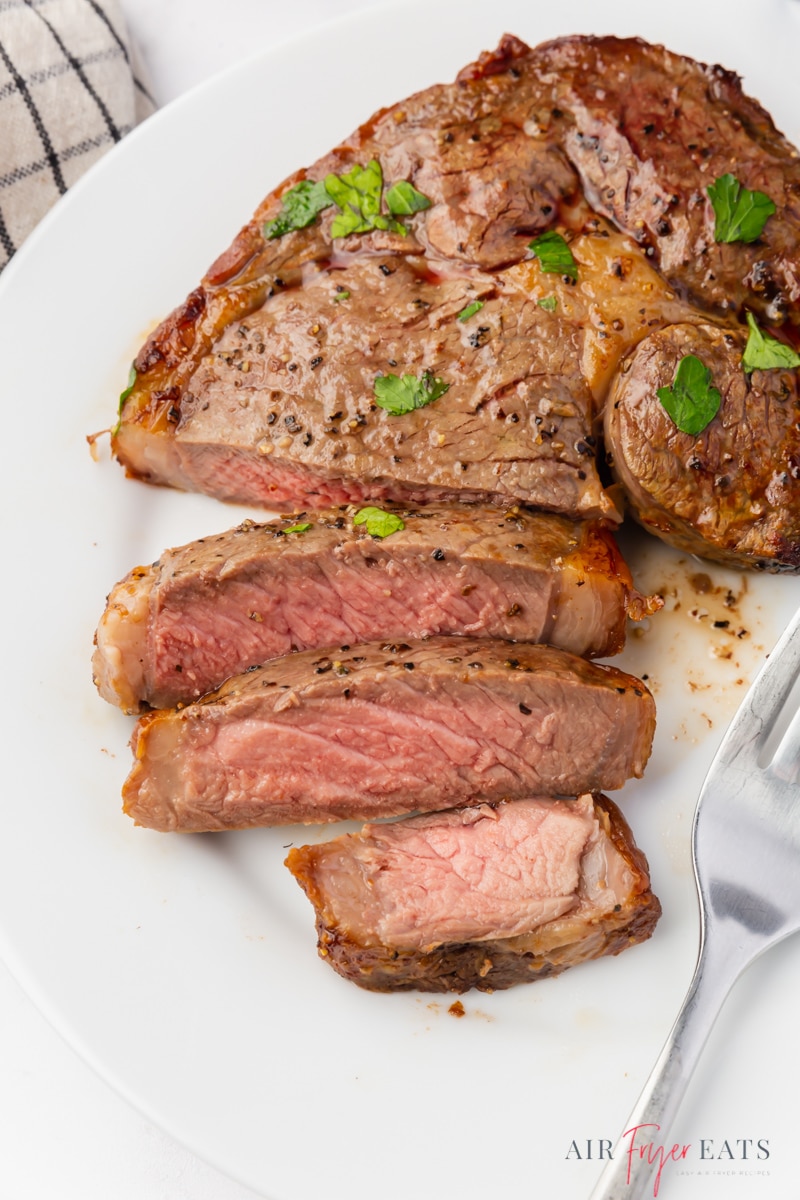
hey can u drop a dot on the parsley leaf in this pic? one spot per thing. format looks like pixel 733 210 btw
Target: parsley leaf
pixel 691 402
pixel 403 199
pixel 305 525
pixel 549 302
pixel 358 195
pixel 342 295
pixel 399 396
pixel 470 310
pixel 123 396
pixel 554 255
pixel 300 206
pixel 379 523
pixel 740 215
pixel 763 352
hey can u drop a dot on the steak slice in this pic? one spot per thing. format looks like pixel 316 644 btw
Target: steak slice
pixel 173 631
pixel 730 493
pixel 282 409
pixel 389 728
pixel 481 897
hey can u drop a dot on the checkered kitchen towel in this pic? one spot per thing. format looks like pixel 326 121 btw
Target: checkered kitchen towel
pixel 69 89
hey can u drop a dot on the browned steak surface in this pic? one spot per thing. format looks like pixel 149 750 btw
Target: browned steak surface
pixel 222 604
pixel 730 493
pixel 263 386
pixel 283 407
pixel 482 897
pixel 650 131
pixel 386 728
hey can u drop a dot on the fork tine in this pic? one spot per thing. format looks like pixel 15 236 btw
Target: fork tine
pixel 753 723
pixel 786 760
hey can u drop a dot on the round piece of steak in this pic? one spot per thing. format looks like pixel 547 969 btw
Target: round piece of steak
pixel 731 492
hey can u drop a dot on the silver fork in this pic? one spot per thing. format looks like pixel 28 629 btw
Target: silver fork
pixel 746 853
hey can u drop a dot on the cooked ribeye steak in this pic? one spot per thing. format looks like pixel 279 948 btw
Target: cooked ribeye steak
pixel 387 728
pixel 203 612
pixel 261 387
pixel 731 492
pixel 481 897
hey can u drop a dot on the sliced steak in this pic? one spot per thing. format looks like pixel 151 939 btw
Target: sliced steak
pixel 730 493
pixel 481 897
pixel 282 409
pixel 173 631
pixel 387 728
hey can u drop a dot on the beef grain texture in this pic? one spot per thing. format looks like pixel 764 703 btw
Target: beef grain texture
pixel 389 728
pixel 483 898
pixel 731 492
pixel 173 631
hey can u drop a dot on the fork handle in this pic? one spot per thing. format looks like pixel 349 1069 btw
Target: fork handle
pixel 645 1149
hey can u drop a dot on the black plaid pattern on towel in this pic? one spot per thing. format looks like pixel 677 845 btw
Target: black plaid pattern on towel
pixel 69 89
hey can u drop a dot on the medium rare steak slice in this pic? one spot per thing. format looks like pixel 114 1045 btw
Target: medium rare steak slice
pixel 481 897
pixel 387 728
pixel 731 492
pixel 173 631
pixel 284 408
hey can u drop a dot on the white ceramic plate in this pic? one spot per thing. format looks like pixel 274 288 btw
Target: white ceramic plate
pixel 184 969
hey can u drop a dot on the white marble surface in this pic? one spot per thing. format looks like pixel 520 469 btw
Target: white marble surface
pixel 64 1135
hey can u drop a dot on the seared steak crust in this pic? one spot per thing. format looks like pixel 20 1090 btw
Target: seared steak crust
pixel 173 631
pixel 648 132
pixel 260 388
pixel 386 728
pixel 732 492
pixel 283 407
pixel 371 890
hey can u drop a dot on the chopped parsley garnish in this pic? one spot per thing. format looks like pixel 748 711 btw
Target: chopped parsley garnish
pixel 549 302
pixel 302 528
pixel 342 295
pixel 691 401
pixel 470 310
pixel 379 523
pixel 402 395
pixel 740 215
pixel 123 396
pixel 301 205
pixel 763 352
pixel 403 199
pixel 358 194
pixel 554 255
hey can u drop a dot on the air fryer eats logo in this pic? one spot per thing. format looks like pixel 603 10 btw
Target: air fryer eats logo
pixel 708 1156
